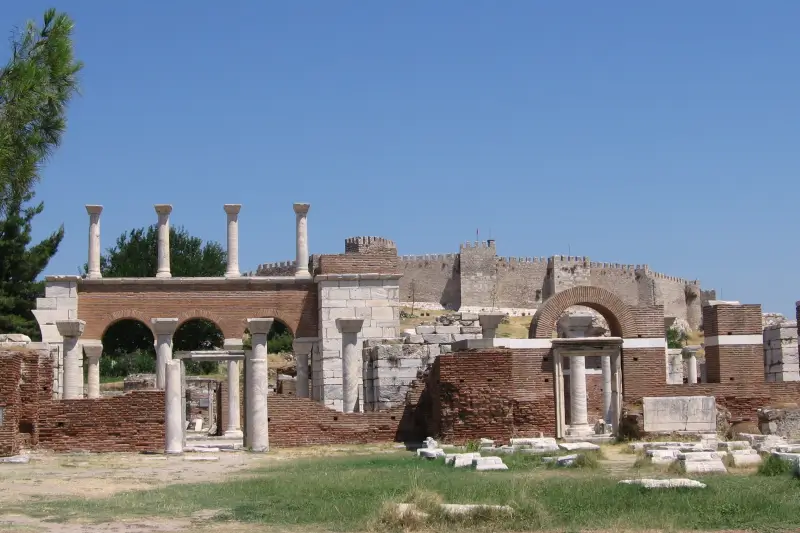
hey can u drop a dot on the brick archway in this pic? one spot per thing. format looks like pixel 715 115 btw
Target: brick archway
pixel 126 314
pixel 272 313
pixel 199 314
pixel 620 319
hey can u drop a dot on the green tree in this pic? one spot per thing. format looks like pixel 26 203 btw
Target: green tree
pixel 675 338
pixel 135 255
pixel 36 86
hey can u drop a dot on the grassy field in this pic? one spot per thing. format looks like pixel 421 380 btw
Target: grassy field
pixel 352 494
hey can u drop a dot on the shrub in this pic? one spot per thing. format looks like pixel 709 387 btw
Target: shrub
pixel 774 466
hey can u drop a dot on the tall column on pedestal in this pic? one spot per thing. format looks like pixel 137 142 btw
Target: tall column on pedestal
pixel 173 419
pixel 94 241
pixel 579 417
pixel 692 366
pixel 257 384
pixel 233 240
pixel 302 350
pixel 351 362
pixel 233 429
pixel 72 330
pixel 163 211
pixel 489 323
pixel 164 329
pixel 93 351
pixel 301 268
pixel 605 365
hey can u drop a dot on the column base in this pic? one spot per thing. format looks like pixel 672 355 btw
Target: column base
pixel 163 274
pixel 580 430
pixel 233 274
pixel 303 274
pixel 233 434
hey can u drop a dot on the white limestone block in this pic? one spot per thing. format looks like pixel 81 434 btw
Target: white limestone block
pixel 430 453
pixel 200 458
pixel 462 509
pixel 665 483
pixel 680 413
pixel 484 464
pixel 663 457
pixel 744 458
pixel 735 445
pixel 16 459
pixel 701 456
pixel 574 446
pixel 704 467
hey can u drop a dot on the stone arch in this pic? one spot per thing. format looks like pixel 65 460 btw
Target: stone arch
pixel 621 320
pixel 194 314
pixel 126 314
pixel 271 313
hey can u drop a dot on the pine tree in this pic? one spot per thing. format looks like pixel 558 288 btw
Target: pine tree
pixel 36 85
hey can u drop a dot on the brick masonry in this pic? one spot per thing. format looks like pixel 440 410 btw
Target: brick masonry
pixel 133 422
pixel 227 305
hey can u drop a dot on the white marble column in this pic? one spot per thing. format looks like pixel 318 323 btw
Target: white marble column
pixel 163 211
pixel 579 416
pixel 605 365
pixel 71 331
pixel 351 362
pixel 489 323
pixel 233 428
pixel 233 240
pixel 301 212
pixel 93 350
pixel 94 241
pixel 173 418
pixel 164 329
pixel 302 351
pixel 692 366
pixel 257 384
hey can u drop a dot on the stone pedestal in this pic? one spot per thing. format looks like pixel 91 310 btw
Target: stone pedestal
pixel 579 417
pixel 301 212
pixel 257 384
pixel 163 211
pixel 302 352
pixel 94 241
pixel 71 331
pixel 174 406
pixel 93 351
pixel 164 329
pixel 232 211
pixel 489 324
pixel 351 362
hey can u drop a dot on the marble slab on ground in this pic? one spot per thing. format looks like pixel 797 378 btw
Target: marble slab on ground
pixel 575 446
pixel 680 413
pixel 665 483
pixel 704 467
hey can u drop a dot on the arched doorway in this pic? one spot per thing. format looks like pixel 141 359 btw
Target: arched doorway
pixel 128 348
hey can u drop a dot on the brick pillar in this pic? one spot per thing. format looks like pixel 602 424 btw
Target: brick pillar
pixel 733 343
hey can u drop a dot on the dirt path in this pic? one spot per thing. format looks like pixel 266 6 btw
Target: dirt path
pixel 617 461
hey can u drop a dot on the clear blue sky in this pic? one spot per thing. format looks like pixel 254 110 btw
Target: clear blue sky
pixel 624 131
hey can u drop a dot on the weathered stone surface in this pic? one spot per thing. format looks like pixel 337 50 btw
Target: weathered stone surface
pixel 574 446
pixel 16 459
pixel 704 467
pixel 483 464
pixel 665 483
pixel 462 509
pixel 680 413
pixel 437 339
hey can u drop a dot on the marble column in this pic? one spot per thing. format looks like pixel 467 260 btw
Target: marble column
pixel 93 350
pixel 301 213
pixel 173 418
pixel 94 241
pixel 164 329
pixel 489 323
pixel 233 429
pixel 302 351
pixel 351 362
pixel 257 384
pixel 579 416
pixel 692 366
pixel 605 365
pixel 71 331
pixel 232 211
pixel 163 211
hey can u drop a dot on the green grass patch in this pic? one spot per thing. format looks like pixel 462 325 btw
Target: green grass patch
pixel 352 493
pixel 774 466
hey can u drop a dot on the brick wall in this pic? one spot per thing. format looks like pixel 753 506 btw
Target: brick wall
pixel 374 263
pixel 128 423
pixel 229 308
pixel 732 320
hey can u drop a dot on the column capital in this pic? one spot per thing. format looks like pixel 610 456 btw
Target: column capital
pixel 94 209
pixel 349 325
pixel 70 328
pixel 301 208
pixel 164 326
pixel 233 344
pixel 163 209
pixel 232 209
pixel 92 348
pixel 491 320
pixel 259 326
pixel 303 346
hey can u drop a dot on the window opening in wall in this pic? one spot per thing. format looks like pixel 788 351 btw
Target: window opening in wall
pixel 2 414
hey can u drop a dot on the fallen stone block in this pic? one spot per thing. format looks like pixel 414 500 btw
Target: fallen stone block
pixel 744 459
pixel 462 509
pixel 735 445
pixel 704 467
pixel 665 483
pixel 201 449
pixel 487 442
pixel 575 446
pixel 16 460
pixel 201 458
pixel 663 457
pixel 429 453
pixel 564 460
pixel 483 464
pixel 460 460
pixel 701 456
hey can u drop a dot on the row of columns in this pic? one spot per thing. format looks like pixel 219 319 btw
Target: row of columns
pixel 231 210
pixel 73 349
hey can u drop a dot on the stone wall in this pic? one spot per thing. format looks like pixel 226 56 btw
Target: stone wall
pixel 784 422
pixel 431 278
pixel 781 359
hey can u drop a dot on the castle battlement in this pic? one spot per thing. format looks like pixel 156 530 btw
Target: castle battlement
pixel 368 244
pixel 426 258
pixel 513 260
pixel 478 244
pixel 568 259
pixel 619 266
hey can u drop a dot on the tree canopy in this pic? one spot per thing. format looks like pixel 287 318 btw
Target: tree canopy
pixel 36 86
